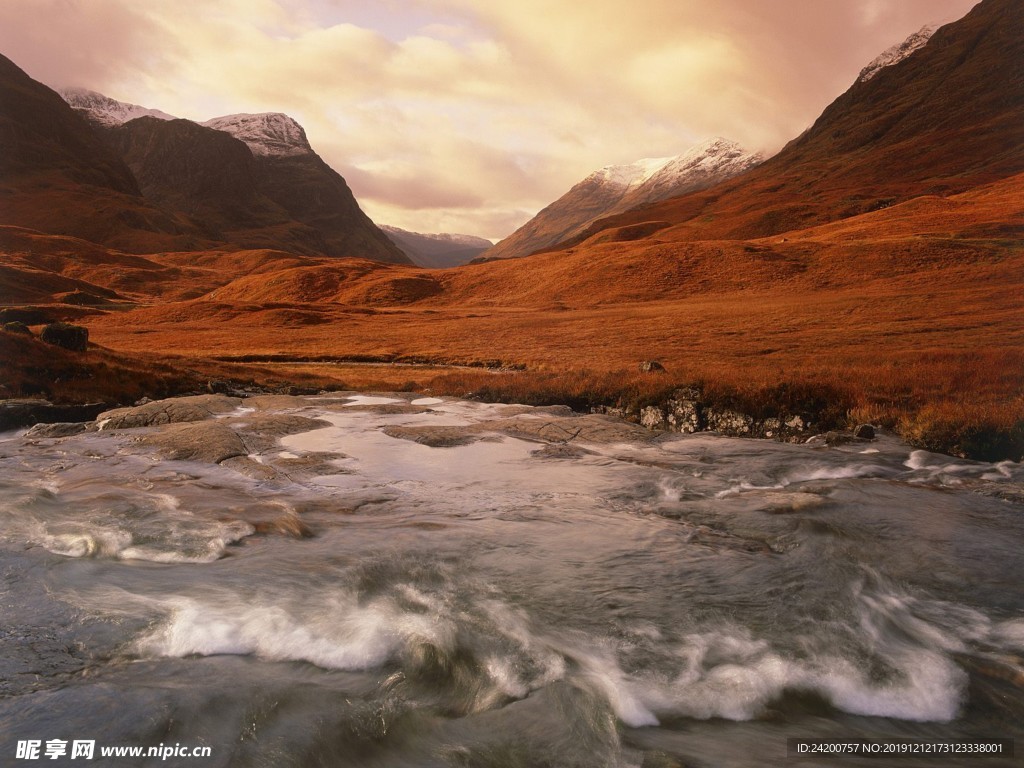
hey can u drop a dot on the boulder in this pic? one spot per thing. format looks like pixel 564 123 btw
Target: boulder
pixel 651 366
pixel 66 335
pixel 683 414
pixel 865 432
pixel 728 421
pixel 652 417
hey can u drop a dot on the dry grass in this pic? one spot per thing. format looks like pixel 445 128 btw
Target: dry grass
pixel 908 317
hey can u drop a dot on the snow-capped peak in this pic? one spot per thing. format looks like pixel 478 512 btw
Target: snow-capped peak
pixel 709 157
pixel 897 53
pixel 105 110
pixel 266 133
pixel 631 175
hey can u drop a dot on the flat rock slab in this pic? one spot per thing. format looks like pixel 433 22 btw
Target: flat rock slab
pixel 171 411
pixel 437 437
pixel 557 429
pixel 589 428
pixel 59 429
pixel 385 409
pixel 262 432
pixel 205 441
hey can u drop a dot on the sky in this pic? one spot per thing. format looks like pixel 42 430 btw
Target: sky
pixel 469 116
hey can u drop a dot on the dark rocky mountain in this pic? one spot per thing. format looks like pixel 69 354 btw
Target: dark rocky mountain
pixel 231 195
pixel 57 176
pixel 137 179
pixel 437 251
pixel 944 119
pixel 619 188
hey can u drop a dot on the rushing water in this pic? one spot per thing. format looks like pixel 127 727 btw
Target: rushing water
pixel 579 598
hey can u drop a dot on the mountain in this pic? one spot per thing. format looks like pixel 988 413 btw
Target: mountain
pixel 291 175
pixel 251 181
pixel 266 134
pixel 437 251
pixel 57 176
pixel 618 188
pixel 104 111
pixel 944 119
pixel 897 53
pixel 204 174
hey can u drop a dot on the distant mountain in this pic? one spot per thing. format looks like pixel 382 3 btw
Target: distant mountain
pixel 247 180
pixel 104 111
pixel 944 118
pixel 619 188
pixel 437 251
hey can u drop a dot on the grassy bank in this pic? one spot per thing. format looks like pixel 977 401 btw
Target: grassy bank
pixel 944 402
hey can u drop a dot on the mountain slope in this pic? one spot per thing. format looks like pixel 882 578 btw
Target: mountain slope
pixel 295 178
pixel 946 118
pixel 440 251
pixel 250 181
pixel 56 175
pixel 618 188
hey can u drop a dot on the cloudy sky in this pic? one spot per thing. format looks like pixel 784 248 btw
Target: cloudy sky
pixel 471 115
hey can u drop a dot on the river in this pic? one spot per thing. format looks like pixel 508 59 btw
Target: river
pixel 424 582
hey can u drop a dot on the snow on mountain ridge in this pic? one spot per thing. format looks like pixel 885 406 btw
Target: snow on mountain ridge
pixel 630 175
pixel 710 160
pixel 897 53
pixel 266 133
pixel 105 110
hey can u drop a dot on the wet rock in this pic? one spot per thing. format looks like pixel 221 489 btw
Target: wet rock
pixel 839 438
pixel 66 335
pixel 779 503
pixel 286 525
pixel 651 366
pixel 175 410
pixel 58 429
pixel 244 465
pixel 865 432
pixel 218 387
pixel 312 464
pixel 684 412
pixel 261 432
pixel 204 441
pixel 589 428
pixel 560 451
pixel 652 417
pixel 435 437
pixel 728 421
pixel 385 409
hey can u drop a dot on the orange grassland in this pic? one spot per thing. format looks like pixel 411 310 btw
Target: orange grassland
pixel 910 316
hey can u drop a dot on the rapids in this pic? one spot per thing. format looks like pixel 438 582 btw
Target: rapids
pixel 428 582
